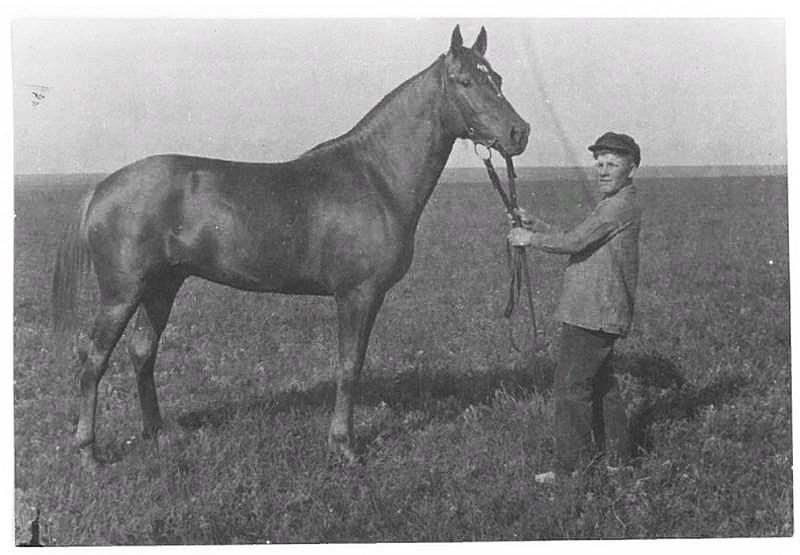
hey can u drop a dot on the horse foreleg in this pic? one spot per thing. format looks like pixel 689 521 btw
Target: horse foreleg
pixel 108 327
pixel 357 309
pixel 151 320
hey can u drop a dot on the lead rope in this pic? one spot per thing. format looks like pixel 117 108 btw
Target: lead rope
pixel 517 256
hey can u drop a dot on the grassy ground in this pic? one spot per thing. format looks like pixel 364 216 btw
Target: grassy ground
pixel 453 424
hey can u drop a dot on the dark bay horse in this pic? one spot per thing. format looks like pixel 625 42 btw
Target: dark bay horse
pixel 337 221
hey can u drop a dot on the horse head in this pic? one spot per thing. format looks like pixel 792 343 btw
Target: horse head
pixel 478 110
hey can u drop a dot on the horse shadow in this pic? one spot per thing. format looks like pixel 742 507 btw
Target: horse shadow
pixel 446 394
pixel 438 393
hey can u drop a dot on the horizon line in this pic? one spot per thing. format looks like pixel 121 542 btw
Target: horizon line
pixel 567 167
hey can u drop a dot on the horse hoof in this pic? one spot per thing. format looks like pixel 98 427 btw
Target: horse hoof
pixel 89 461
pixel 343 451
pixel 153 445
pixel 152 440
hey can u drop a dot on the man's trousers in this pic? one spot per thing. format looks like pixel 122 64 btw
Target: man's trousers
pixel 588 406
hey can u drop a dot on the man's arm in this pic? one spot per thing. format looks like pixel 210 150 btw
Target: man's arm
pixel 600 226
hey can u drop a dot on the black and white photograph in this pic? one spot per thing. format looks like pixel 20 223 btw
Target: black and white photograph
pixel 384 279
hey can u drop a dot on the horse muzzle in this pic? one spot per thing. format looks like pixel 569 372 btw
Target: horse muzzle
pixel 517 139
pixel 507 143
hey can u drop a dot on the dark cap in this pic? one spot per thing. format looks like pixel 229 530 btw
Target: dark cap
pixel 618 142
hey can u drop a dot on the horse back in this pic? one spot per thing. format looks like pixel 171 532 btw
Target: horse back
pixel 307 226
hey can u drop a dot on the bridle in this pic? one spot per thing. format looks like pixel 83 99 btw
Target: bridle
pixel 455 106
pixel 517 256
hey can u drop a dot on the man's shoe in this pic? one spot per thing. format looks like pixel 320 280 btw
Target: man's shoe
pixel 614 469
pixel 546 478
pixel 552 477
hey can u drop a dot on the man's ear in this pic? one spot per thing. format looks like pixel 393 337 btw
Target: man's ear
pixel 633 171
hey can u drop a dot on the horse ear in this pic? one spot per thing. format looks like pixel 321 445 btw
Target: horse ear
pixel 456 41
pixel 480 43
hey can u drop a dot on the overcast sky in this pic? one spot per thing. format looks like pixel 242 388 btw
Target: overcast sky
pixel 691 91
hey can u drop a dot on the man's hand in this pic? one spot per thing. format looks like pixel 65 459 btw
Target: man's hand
pixel 519 237
pixel 531 223
pixel 525 218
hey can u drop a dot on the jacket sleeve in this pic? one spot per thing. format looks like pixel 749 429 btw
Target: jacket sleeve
pixel 540 226
pixel 600 226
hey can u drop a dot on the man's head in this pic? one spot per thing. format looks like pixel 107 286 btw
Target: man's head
pixel 617 157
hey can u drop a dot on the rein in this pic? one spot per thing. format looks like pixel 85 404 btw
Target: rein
pixel 517 256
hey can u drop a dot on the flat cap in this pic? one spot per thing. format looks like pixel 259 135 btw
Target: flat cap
pixel 618 142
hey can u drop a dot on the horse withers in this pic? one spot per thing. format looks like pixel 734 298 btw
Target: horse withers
pixel 337 221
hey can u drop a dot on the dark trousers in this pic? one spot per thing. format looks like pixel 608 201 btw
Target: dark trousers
pixel 587 401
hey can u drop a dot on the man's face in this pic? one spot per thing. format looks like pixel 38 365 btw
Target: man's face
pixel 614 171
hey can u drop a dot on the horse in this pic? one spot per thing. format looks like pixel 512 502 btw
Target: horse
pixel 339 220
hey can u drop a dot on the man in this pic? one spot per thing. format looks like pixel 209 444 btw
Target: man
pixel 596 308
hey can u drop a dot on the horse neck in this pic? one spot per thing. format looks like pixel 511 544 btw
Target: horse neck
pixel 408 143
pixel 402 142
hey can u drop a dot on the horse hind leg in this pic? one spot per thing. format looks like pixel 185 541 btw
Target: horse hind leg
pixel 110 322
pixel 151 319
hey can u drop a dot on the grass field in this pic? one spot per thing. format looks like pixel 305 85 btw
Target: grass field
pixel 452 422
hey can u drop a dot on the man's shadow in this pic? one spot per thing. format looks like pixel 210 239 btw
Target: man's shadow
pixel 663 393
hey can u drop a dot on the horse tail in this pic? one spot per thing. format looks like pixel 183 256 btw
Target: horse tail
pixel 71 265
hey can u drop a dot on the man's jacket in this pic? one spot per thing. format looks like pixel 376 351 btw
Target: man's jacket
pixel 600 280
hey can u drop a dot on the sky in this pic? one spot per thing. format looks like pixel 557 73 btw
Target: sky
pixel 691 91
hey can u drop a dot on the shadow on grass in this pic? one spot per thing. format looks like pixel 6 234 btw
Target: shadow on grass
pixel 437 393
pixel 443 395
pixel 678 399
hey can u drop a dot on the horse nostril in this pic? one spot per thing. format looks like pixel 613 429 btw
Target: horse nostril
pixel 519 135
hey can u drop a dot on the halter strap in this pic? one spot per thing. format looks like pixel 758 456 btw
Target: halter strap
pixel 452 104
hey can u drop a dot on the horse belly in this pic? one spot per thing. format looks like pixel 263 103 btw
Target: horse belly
pixel 225 249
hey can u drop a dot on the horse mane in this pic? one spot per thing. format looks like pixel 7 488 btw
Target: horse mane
pixel 371 119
